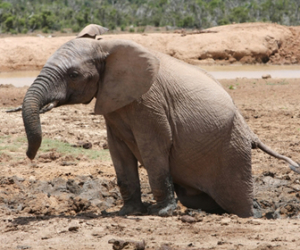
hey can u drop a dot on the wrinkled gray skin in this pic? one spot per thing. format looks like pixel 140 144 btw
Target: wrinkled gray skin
pixel 173 118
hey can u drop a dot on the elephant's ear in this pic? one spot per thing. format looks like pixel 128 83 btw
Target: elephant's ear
pixel 130 70
pixel 91 31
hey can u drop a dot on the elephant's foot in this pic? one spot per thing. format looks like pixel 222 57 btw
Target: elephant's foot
pixel 163 209
pixel 133 209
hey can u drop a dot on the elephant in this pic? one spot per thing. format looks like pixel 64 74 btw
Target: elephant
pixel 171 117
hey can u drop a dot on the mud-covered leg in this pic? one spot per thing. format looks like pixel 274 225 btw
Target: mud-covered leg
pixel 163 192
pixel 156 161
pixel 126 169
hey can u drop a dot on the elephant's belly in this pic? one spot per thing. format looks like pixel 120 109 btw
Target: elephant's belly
pixel 195 176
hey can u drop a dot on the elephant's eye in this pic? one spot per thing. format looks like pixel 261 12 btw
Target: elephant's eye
pixel 73 74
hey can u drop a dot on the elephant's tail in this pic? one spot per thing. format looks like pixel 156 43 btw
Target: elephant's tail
pixel 293 165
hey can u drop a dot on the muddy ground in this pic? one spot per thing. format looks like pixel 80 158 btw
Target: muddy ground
pixel 67 197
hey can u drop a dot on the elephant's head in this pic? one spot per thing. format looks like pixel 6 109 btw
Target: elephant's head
pixel 116 72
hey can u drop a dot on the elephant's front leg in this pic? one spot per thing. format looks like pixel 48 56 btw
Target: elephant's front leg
pixel 154 146
pixel 126 169
pixel 163 191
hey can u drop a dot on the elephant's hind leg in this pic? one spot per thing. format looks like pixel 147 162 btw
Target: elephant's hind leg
pixel 199 201
pixel 232 187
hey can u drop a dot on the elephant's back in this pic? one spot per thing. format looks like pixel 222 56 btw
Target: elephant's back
pixel 196 101
pixel 190 82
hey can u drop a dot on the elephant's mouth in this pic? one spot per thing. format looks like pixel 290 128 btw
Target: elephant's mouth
pixel 49 106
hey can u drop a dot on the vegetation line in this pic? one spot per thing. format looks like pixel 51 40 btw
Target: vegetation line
pixel 19 16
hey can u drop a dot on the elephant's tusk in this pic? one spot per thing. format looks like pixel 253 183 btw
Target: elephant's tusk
pixel 14 110
pixel 45 109
pixel 48 107
pixel 295 168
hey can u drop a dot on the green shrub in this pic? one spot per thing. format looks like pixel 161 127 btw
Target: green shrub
pixel 123 27
pixel 13 31
pixel 45 30
pixel 24 30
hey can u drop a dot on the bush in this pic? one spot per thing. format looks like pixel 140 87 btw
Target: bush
pixel 45 30
pixel 24 30
pixel 123 27
pixel 112 26
pixel 76 28
pixel 13 31
pixel 141 30
pixel 9 22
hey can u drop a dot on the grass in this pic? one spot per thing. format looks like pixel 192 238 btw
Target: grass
pixel 4 138
pixel 277 83
pixel 67 149
pixel 9 145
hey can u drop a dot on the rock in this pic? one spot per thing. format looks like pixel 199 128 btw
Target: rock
pixel 23 247
pixel 221 242
pixel 85 145
pixel 267 76
pixel 188 219
pixel 73 228
pixel 127 244
pixel 225 221
pixel 32 179
pixel 269 173
pixel 66 163
pixel 48 157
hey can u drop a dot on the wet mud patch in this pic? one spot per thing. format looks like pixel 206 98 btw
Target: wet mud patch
pixel 277 196
pixel 81 194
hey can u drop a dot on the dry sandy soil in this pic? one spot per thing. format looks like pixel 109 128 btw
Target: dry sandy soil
pixel 231 44
pixel 67 197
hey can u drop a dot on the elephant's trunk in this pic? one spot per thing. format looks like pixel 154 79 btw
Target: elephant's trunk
pixel 36 97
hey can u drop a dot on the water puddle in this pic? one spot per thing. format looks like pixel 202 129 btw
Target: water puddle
pixel 18 78
pixel 253 71
pixel 26 78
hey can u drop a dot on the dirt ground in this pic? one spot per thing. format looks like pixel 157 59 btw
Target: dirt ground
pixel 67 198
pixel 249 43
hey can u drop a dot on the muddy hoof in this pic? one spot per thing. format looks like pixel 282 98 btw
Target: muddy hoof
pixel 163 209
pixel 133 210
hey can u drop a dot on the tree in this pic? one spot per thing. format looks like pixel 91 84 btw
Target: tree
pixel 21 16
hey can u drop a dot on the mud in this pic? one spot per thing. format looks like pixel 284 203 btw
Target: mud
pixel 68 198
